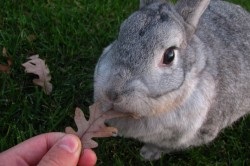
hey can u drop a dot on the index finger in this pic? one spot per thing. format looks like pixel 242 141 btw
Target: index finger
pixel 32 150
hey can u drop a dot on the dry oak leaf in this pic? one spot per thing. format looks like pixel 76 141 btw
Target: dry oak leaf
pixel 95 127
pixel 37 66
pixel 4 52
pixel 6 68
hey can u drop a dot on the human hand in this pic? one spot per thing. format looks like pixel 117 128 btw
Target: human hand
pixel 50 149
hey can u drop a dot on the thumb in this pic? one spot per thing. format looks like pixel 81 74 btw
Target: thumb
pixel 65 152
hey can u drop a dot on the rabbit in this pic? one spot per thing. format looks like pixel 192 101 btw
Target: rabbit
pixel 182 69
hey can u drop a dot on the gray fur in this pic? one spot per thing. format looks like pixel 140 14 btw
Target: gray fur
pixel 187 103
pixel 191 12
pixel 147 2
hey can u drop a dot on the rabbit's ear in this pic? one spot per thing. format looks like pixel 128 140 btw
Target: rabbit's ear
pixel 147 2
pixel 191 11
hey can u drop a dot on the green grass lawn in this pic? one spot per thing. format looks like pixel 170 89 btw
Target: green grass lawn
pixel 70 36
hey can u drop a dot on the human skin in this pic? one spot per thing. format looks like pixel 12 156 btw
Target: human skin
pixel 50 149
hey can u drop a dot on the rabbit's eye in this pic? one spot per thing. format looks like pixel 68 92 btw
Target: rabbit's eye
pixel 168 56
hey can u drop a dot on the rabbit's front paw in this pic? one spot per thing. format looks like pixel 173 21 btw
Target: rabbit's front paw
pixel 149 152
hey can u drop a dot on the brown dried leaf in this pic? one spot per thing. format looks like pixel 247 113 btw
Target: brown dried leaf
pixel 4 52
pixel 6 68
pixel 95 127
pixel 37 66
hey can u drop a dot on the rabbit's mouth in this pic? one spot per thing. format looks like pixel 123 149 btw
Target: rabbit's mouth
pixel 107 105
pixel 131 114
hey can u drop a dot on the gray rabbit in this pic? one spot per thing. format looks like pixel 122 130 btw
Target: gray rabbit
pixel 183 69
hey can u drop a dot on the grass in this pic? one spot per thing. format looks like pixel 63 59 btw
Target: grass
pixel 70 36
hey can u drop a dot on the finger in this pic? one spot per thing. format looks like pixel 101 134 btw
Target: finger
pixel 30 151
pixel 65 152
pixel 87 158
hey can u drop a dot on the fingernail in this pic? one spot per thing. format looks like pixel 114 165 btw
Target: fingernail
pixel 69 143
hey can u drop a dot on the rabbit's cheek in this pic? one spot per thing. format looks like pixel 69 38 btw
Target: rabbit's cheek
pixel 167 104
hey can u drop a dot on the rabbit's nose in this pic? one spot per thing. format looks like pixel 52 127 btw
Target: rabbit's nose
pixel 113 96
